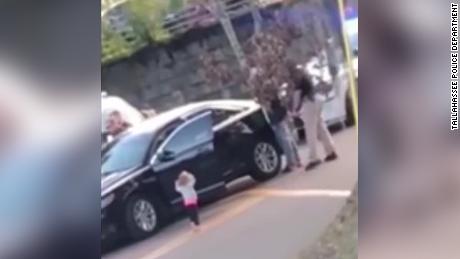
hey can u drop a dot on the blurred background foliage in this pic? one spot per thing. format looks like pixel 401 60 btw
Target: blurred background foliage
pixel 144 25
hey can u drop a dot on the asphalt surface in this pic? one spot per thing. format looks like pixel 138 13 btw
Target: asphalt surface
pixel 273 220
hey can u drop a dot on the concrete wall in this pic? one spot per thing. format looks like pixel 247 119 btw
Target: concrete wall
pixel 152 79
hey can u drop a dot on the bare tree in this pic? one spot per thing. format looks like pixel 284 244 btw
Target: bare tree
pixel 267 64
pixel 266 67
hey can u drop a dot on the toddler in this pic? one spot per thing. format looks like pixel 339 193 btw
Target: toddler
pixel 185 185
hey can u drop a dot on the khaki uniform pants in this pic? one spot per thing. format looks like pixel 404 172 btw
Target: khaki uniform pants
pixel 316 129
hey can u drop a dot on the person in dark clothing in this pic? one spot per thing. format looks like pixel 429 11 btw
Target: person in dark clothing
pixel 305 87
pixel 277 112
pixel 278 115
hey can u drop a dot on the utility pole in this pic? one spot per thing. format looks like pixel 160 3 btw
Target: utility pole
pixel 226 23
pixel 351 77
pixel 256 16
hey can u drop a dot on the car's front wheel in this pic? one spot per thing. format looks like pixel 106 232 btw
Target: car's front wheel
pixel 266 161
pixel 142 217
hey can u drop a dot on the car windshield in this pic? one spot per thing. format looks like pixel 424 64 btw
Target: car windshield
pixel 128 152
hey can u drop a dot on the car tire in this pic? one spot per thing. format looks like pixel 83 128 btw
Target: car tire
pixel 266 161
pixel 142 216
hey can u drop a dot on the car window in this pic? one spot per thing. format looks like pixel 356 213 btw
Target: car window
pixel 164 134
pixel 193 133
pixel 220 115
pixel 128 152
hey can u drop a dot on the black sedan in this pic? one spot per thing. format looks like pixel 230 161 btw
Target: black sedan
pixel 217 141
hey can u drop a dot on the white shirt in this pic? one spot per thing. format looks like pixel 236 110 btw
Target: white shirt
pixel 317 71
pixel 187 191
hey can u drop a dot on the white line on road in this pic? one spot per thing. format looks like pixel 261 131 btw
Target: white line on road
pixel 302 193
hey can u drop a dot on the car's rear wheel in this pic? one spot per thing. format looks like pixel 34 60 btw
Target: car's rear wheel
pixel 266 161
pixel 142 216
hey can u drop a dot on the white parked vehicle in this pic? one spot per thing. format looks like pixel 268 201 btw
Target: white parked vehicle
pixel 336 108
pixel 355 66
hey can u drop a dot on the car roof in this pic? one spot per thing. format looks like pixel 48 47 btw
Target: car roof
pixel 163 119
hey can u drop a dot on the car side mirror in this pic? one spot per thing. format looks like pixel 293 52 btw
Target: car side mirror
pixel 167 156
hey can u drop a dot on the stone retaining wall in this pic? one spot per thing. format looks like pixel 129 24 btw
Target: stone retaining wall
pixel 152 79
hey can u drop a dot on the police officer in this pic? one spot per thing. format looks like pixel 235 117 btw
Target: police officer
pixel 307 105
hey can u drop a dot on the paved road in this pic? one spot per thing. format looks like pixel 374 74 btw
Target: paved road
pixel 274 220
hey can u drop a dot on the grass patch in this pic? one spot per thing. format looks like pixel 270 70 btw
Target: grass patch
pixel 341 237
